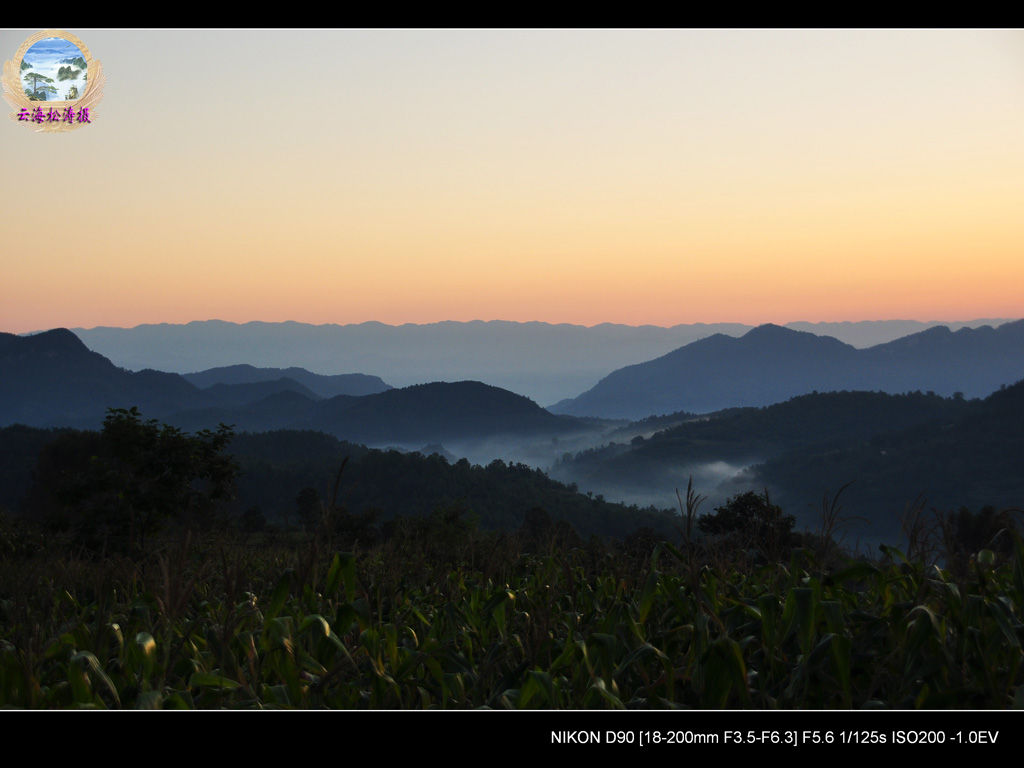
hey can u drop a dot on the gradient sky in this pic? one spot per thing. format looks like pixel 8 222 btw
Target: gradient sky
pixel 640 177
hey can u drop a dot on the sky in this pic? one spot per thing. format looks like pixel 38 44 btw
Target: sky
pixel 568 176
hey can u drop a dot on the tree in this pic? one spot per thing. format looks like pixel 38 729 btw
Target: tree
pixel 753 522
pixel 35 77
pixel 134 477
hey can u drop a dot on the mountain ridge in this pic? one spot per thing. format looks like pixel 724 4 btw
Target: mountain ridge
pixel 547 362
pixel 54 380
pixel 770 363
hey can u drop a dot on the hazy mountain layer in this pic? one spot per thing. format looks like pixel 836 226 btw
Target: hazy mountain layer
pixel 323 386
pixel 770 364
pixel 546 362
pixel 52 379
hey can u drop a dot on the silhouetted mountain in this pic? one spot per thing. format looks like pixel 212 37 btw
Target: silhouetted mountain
pixel 417 414
pixel 544 361
pixel 438 412
pixel 765 365
pixel 280 410
pixel 974 361
pixel 323 386
pixel 869 333
pixel 770 364
pixel 52 379
pixel 240 394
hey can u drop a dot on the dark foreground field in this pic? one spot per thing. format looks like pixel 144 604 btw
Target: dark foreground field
pixel 439 614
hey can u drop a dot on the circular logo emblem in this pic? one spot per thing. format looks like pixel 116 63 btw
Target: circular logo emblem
pixel 53 83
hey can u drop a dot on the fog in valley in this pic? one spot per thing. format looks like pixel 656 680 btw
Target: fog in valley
pixel 714 480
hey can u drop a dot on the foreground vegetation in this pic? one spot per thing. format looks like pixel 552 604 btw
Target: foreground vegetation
pixel 133 589
pixel 443 616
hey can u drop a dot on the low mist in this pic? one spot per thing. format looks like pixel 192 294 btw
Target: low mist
pixel 714 480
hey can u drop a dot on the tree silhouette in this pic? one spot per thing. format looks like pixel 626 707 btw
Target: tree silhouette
pixel 753 522
pixel 134 477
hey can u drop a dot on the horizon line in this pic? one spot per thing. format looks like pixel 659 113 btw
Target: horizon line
pixel 1000 320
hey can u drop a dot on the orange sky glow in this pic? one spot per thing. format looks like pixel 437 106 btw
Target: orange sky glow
pixel 634 176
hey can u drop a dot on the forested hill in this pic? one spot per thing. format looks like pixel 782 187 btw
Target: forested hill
pixel 288 474
pixel 973 459
pixel 278 465
pixel 744 436
pixel 421 413
pixel 895 449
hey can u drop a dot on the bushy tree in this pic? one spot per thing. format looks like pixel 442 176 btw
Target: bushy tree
pixel 134 477
pixel 753 522
pixel 38 92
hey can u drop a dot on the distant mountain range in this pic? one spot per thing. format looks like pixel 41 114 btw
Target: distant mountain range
pixel 956 450
pixel 769 364
pixel 52 380
pixel 546 362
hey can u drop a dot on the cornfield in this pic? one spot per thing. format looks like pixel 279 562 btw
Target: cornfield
pixel 590 627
